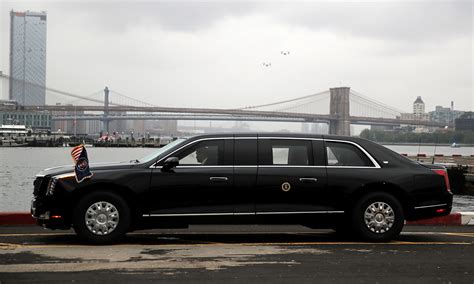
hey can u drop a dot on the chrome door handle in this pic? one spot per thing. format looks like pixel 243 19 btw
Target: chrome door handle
pixel 308 180
pixel 218 179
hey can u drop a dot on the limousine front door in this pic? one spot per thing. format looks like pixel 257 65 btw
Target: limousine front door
pixel 198 185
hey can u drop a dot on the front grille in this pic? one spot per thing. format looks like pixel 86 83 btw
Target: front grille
pixel 40 184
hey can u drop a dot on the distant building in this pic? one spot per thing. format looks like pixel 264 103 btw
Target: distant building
pixel 418 111
pixel 8 105
pixel 418 106
pixel 465 122
pixel 27 57
pixel 36 120
pixel 93 126
pixel 72 127
pixel 444 115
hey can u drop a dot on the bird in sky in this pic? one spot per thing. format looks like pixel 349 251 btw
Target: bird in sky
pixel 285 52
pixel 267 64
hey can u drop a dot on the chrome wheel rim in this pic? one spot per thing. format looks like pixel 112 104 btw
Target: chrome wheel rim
pixel 102 218
pixel 379 217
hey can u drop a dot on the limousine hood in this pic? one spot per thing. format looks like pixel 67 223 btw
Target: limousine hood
pixel 93 167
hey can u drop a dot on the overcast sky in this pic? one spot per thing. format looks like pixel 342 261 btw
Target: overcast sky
pixel 210 54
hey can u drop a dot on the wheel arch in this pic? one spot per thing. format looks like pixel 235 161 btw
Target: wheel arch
pixel 126 193
pixel 402 196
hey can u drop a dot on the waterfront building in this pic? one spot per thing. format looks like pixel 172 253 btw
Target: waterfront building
pixel 465 122
pixel 418 111
pixel 418 106
pixel 27 57
pixel 36 120
pixel 444 115
pixel 118 126
pixel 93 127
pixel 72 127
pixel 8 105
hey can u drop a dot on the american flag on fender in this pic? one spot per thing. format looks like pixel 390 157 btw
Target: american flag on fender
pixel 81 169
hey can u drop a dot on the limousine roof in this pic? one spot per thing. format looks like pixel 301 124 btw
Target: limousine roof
pixel 379 152
pixel 276 134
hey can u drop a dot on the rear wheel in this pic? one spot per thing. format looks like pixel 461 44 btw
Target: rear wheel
pixel 377 216
pixel 101 217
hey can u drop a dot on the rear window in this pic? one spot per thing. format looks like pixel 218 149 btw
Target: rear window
pixel 346 155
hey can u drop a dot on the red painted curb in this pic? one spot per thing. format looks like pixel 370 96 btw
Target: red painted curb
pixel 451 219
pixel 16 218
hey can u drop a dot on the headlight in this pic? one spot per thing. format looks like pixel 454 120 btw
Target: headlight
pixel 51 186
pixel 54 180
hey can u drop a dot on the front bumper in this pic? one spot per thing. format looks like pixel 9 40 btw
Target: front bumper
pixel 47 216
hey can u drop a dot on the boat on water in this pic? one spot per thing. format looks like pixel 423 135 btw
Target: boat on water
pixel 11 143
pixel 455 145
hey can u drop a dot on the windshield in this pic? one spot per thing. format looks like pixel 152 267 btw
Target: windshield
pixel 160 151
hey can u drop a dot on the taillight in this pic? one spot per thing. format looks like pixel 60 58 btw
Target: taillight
pixel 444 173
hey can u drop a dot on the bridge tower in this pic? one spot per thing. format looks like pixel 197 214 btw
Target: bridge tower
pixel 339 106
pixel 105 120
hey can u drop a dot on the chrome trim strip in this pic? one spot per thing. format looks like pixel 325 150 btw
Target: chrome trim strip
pixel 186 145
pixel 237 214
pixel 246 166
pixel 429 206
pixel 216 166
pixel 289 166
pixel 374 162
pixel 249 138
pixel 352 167
pixel 376 165
pixel 298 212
pixel 272 166
pixel 187 214
pixel 289 138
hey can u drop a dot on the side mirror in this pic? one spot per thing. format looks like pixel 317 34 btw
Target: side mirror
pixel 170 163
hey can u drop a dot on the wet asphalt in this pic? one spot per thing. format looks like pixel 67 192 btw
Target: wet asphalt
pixel 239 254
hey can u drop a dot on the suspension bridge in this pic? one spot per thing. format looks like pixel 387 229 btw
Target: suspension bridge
pixel 338 107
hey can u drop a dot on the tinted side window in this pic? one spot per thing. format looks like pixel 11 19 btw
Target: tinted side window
pixel 344 154
pixel 285 152
pixel 245 152
pixel 205 153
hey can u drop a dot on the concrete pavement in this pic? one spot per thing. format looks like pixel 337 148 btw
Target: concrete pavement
pixel 424 254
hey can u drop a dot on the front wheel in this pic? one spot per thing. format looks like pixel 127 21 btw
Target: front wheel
pixel 101 218
pixel 377 216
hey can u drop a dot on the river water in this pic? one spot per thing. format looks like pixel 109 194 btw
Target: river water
pixel 18 167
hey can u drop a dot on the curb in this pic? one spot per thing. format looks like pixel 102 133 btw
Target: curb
pixel 453 219
pixel 16 218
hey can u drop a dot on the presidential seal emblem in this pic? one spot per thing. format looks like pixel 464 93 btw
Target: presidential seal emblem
pixel 286 186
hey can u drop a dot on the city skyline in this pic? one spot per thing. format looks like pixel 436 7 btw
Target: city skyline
pixel 216 61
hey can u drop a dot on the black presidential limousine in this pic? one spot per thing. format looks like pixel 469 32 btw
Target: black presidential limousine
pixel 345 183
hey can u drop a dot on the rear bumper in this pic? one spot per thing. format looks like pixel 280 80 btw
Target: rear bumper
pixel 430 212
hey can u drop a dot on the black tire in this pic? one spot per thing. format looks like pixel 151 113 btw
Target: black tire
pixel 108 218
pixel 384 220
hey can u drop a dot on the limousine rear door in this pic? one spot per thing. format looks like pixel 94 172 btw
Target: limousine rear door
pixel 291 178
